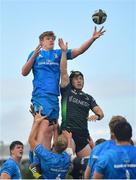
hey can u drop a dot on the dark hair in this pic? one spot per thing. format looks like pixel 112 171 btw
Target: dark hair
pixel 132 142
pixel 47 33
pixel 75 74
pixel 114 120
pixel 123 131
pixel 79 167
pixel 13 144
pixel 99 141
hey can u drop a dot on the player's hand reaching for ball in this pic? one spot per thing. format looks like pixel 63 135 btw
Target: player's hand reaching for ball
pixel 97 34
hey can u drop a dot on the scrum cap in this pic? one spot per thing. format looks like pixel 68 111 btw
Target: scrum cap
pixel 74 74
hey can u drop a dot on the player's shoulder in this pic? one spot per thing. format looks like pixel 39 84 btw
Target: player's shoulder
pixel 66 156
pixel 88 96
pixel 9 162
pixel 57 51
pixel 129 148
pixel 66 88
pixel 103 145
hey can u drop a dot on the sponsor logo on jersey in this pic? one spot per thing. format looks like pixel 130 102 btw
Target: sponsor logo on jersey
pixel 48 62
pixel 78 101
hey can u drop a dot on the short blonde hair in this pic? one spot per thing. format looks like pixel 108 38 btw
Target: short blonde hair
pixel 61 144
pixel 47 33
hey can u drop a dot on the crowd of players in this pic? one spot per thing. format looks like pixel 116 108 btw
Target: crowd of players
pixel 72 144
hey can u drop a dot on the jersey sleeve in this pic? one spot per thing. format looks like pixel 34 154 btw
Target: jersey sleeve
pixel 90 161
pixel 101 164
pixel 59 53
pixel 69 54
pixel 8 168
pixel 30 55
pixel 65 89
pixel 42 152
pixel 92 103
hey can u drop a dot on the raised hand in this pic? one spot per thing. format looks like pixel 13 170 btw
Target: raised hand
pixel 99 33
pixel 62 45
pixel 37 50
pixel 38 117
pixel 67 134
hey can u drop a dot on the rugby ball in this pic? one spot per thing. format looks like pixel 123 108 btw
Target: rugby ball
pixel 99 16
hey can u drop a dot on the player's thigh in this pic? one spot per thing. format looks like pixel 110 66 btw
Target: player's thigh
pixel 45 127
pixel 84 152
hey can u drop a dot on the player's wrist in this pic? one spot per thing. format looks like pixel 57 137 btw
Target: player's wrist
pixel 99 117
pixel 64 51
pixel 93 38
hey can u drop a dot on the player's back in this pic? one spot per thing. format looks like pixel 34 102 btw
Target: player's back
pixel 56 165
pixel 98 150
pixel 118 163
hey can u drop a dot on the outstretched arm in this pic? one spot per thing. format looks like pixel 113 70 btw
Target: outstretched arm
pixel 63 64
pixel 96 34
pixel 70 149
pixel 35 127
pixel 28 65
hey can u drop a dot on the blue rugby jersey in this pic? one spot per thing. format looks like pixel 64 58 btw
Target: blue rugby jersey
pixel 46 71
pixel 11 168
pixel 52 164
pixel 118 163
pixel 97 151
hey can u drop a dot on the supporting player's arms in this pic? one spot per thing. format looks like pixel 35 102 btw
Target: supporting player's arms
pixel 35 127
pixel 63 64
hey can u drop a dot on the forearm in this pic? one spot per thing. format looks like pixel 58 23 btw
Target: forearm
pixel 33 134
pixel 100 115
pixel 98 111
pixel 28 66
pixel 63 64
pixel 97 175
pixel 86 45
pixel 82 48
pixel 63 69
pixel 87 173
pixel 70 150
pixel 69 143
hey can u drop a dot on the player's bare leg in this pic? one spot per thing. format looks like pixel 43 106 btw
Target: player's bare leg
pixel 55 132
pixel 84 152
pixel 45 134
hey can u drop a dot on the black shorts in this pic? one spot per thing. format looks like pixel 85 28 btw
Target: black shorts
pixel 80 139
